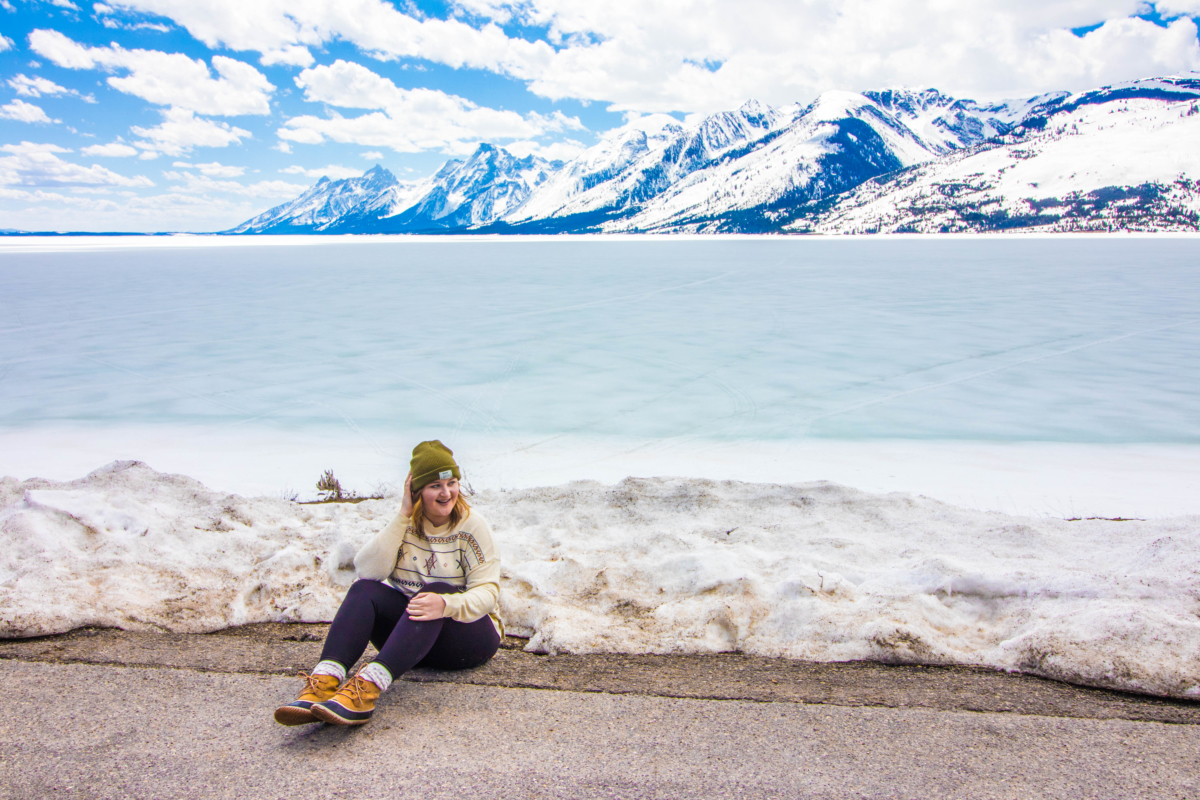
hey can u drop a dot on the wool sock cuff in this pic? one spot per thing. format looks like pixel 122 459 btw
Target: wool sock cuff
pixel 377 674
pixel 330 668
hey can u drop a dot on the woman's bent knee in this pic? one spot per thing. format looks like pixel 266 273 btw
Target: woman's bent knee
pixel 364 586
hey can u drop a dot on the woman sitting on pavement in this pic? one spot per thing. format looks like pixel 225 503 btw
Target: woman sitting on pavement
pixel 426 596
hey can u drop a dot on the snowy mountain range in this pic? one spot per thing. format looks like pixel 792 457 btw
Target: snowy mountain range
pixel 1119 157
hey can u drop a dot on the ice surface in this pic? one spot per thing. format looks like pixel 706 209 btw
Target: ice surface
pixel 1031 375
pixel 813 571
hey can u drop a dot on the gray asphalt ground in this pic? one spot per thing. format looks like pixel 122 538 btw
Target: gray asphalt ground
pixel 204 730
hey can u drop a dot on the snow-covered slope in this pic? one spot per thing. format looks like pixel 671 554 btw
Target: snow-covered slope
pixel 326 203
pixel 888 160
pixel 1124 158
pixel 834 144
pixel 489 185
pixel 640 161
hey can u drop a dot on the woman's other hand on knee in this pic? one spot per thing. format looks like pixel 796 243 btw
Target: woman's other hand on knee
pixel 426 607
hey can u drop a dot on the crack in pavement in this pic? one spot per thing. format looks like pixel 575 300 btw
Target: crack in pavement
pixel 285 649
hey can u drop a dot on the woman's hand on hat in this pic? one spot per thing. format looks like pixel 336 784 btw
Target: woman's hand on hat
pixel 426 607
pixel 406 504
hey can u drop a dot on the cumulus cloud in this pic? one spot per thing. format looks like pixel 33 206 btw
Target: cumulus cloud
pixel 1179 8
pixel 171 79
pixel 699 55
pixel 214 169
pixel 202 184
pixel 31 164
pixel 5 43
pixel 293 55
pixel 556 151
pixel 408 120
pixel 38 86
pixel 333 172
pixel 35 86
pixel 121 210
pixel 110 150
pixel 374 26
pixel 113 24
pixel 181 130
pixel 24 112
pixel 706 56
pixel 64 4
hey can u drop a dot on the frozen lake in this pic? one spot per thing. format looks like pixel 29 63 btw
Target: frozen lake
pixel 1049 371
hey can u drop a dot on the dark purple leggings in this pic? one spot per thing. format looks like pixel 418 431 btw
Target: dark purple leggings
pixel 374 611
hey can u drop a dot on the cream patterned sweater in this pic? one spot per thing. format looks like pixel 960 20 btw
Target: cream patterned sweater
pixel 460 556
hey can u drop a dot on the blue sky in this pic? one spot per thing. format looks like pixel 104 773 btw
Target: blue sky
pixel 153 115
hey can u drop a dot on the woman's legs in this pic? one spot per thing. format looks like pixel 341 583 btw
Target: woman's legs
pixel 369 612
pixel 439 644
pixel 374 612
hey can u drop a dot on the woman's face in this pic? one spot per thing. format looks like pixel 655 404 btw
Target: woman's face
pixel 439 498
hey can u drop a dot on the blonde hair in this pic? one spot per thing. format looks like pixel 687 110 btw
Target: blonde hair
pixel 461 510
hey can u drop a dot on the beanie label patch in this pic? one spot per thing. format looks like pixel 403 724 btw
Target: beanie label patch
pixel 446 473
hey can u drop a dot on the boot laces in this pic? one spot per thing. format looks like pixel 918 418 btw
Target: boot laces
pixel 354 688
pixel 310 683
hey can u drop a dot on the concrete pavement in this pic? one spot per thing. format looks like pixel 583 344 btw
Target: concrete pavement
pixel 90 731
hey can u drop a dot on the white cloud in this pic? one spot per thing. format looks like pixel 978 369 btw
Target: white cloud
pixel 42 210
pixel 7 6
pixel 705 56
pixel 1179 8
pixel 24 112
pixel 557 151
pixel 5 43
pixel 214 169
pixel 30 164
pixel 556 121
pixel 374 26
pixel 203 184
pixel 64 4
pixel 38 86
pixel 372 155
pixel 408 120
pixel 171 79
pixel 700 55
pixel 292 55
pixel 35 86
pixel 333 172
pixel 182 130
pixel 110 150
pixel 497 10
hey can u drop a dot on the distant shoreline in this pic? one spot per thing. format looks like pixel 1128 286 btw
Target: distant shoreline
pixel 15 242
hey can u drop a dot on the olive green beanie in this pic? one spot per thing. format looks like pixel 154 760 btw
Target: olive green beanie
pixel 432 461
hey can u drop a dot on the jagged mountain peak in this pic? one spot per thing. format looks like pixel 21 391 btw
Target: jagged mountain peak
pixel 757 167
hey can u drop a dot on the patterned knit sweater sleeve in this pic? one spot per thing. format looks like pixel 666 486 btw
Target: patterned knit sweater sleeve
pixel 377 558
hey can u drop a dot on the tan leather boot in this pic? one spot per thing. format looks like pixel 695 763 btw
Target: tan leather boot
pixel 352 705
pixel 316 689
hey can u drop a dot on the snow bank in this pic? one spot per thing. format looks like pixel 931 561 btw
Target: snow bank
pixel 812 571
